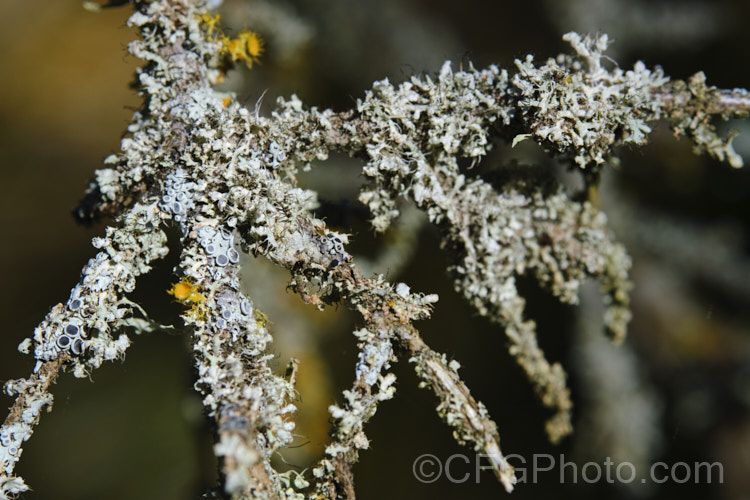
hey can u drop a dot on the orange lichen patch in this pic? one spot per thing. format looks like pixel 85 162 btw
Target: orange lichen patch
pixel 226 101
pixel 185 292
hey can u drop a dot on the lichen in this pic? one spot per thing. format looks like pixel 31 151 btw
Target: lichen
pixel 226 177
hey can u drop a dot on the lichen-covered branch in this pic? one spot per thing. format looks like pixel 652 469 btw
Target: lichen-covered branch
pixel 96 310
pixel 457 407
pixel 582 110
pixel 226 177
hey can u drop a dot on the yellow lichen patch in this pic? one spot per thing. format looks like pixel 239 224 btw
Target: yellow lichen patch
pixel 211 22
pixel 248 46
pixel 261 320
pixel 197 312
pixel 185 292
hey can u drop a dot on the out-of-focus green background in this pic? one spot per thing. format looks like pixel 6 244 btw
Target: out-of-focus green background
pixel 135 430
